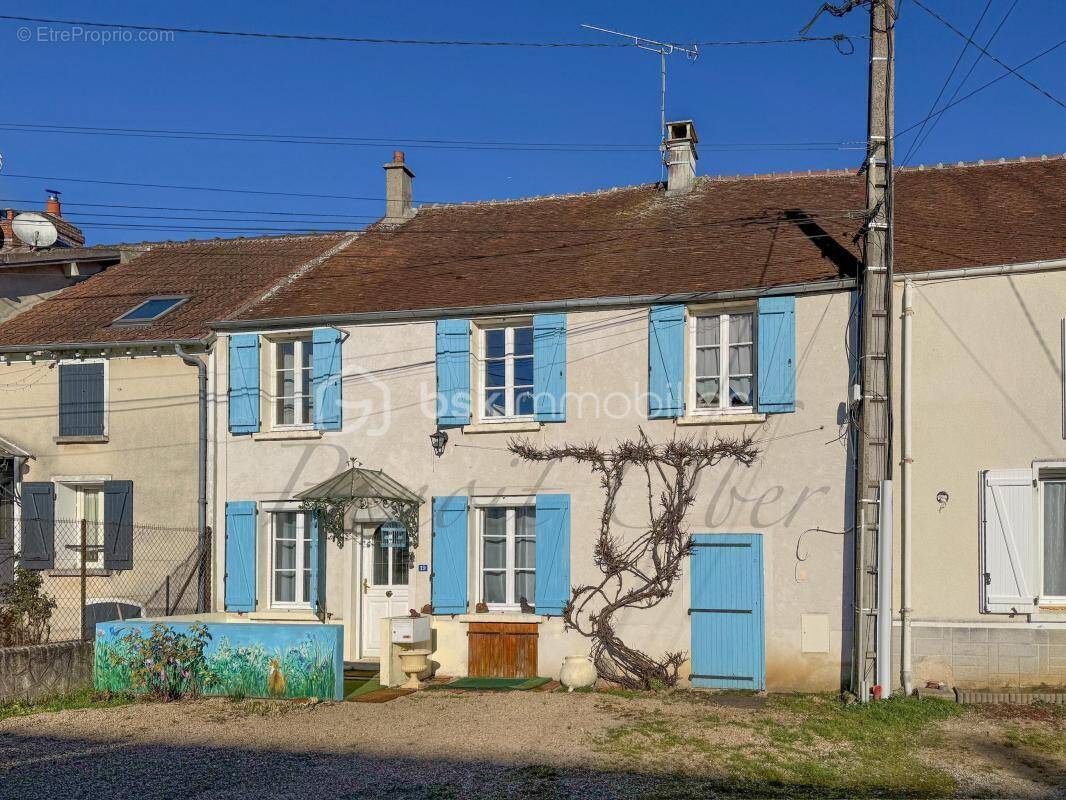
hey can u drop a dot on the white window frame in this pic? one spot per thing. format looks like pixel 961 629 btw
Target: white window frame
pixel 723 313
pixel 299 342
pixel 302 518
pixel 107 387
pixel 480 505
pixel 509 326
pixel 78 484
pixel 1059 476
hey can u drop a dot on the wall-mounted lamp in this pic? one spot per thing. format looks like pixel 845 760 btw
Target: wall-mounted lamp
pixel 438 439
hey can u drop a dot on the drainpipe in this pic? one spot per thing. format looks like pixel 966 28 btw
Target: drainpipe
pixel 906 491
pixel 201 498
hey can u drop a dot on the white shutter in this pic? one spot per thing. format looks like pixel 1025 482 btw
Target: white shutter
pixel 1008 542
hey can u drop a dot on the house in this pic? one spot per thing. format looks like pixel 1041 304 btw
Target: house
pixel 30 274
pixel 710 306
pixel 101 418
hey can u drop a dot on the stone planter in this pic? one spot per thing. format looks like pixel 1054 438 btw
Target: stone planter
pixel 578 672
pixel 413 663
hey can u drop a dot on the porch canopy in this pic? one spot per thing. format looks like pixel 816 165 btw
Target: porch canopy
pixel 361 488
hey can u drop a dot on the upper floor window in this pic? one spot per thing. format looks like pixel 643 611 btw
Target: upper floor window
pixel 507 372
pixel 722 361
pixel 81 398
pixel 293 397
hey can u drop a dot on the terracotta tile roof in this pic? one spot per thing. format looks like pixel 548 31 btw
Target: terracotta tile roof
pixel 728 233
pixel 221 277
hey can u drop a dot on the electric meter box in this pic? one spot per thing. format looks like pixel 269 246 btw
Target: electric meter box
pixel 406 630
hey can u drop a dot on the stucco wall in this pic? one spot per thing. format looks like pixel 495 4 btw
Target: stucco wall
pixel 987 394
pixel 798 483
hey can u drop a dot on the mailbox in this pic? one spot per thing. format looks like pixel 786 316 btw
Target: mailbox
pixel 406 630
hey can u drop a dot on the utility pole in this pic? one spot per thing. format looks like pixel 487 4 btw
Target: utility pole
pixel 872 654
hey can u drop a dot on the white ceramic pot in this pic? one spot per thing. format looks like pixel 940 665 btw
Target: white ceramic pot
pixel 577 672
pixel 414 662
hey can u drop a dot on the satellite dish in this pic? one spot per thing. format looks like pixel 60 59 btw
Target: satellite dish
pixel 35 230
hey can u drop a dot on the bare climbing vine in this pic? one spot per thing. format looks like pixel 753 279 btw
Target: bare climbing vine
pixel 639 571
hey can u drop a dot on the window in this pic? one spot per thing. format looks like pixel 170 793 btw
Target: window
pixel 508 552
pixel 82 398
pixel 391 564
pixel 507 372
pixel 293 396
pixel 1052 488
pixel 722 364
pixel 88 506
pixel 291 560
pixel 150 310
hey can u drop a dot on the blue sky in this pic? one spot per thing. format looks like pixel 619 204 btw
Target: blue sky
pixel 745 95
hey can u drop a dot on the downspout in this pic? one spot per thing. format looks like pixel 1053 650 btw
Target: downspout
pixel 201 499
pixel 905 491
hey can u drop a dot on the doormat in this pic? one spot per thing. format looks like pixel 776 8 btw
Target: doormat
pixel 380 696
pixel 493 684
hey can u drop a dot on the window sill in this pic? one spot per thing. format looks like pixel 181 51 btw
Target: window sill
pixel 95 439
pixel 287 435
pixel 284 615
pixel 502 616
pixel 721 419
pixel 518 426
pixel 93 572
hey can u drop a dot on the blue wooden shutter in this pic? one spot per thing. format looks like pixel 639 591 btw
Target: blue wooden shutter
pixel 118 524
pixel 453 372
pixel 549 367
pixel 37 549
pixel 81 399
pixel 326 378
pixel 553 554
pixel 240 555
pixel 776 389
pixel 666 361
pixel 318 564
pixel 244 383
pixel 449 576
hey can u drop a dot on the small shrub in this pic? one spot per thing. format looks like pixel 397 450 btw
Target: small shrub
pixel 25 611
pixel 166 664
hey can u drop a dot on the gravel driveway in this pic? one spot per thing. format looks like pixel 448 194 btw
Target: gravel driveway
pixel 428 745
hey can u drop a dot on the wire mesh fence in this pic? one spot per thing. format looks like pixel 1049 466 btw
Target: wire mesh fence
pixel 162 571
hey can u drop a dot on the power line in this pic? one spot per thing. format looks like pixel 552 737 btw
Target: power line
pixel 944 85
pixel 919 139
pixel 427 42
pixel 444 144
pixel 1013 71
pixel 980 88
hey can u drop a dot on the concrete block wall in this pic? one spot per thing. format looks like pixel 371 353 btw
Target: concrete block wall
pixel 972 657
pixel 35 672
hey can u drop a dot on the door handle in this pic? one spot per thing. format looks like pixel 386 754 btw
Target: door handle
pixel 366 586
pixel 388 593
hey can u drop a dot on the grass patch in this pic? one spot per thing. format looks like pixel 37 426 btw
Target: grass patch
pixel 86 698
pixel 366 687
pixel 1050 742
pixel 801 745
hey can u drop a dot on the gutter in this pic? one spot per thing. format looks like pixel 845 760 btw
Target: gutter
pixel 981 272
pixel 407 315
pixel 44 349
pixel 201 469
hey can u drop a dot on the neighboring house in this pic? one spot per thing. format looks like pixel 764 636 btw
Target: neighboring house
pixel 29 275
pixel 100 413
pixel 710 307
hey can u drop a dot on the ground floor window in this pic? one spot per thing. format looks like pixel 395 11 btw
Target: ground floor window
pixel 508 554
pixel 86 500
pixel 291 560
pixel 1054 534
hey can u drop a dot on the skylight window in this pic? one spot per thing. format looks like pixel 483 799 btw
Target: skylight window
pixel 150 310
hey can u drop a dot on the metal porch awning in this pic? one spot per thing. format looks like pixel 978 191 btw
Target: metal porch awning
pixel 10 449
pixel 358 483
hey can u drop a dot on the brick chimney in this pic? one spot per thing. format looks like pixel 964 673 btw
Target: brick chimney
pixel 52 205
pixel 398 178
pixel 680 156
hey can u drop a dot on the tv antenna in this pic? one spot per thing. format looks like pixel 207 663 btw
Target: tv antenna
pixel 664 49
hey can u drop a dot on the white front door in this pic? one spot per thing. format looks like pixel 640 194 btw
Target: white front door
pixel 385 589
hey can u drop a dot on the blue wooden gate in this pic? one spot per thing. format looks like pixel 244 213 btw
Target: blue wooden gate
pixel 728 651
